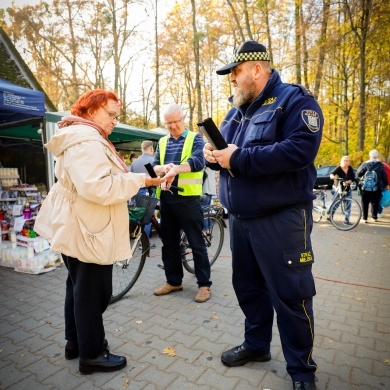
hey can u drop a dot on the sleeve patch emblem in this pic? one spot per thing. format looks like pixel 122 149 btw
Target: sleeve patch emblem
pixel 311 119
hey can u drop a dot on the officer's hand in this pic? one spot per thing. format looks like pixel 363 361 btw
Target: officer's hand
pixel 208 153
pixel 222 157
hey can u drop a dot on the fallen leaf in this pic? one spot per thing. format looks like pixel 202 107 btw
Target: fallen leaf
pixel 214 317
pixel 138 322
pixel 126 383
pixel 169 351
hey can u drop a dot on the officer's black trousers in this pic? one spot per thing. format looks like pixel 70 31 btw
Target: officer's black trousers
pixel 272 260
pixel 88 293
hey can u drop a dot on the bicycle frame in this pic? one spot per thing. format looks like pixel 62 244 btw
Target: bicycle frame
pixel 342 209
pixel 136 235
pixel 338 195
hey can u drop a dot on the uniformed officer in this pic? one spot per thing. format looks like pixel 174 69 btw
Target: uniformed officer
pixel 273 134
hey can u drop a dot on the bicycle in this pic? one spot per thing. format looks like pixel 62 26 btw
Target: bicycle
pixel 126 272
pixel 344 212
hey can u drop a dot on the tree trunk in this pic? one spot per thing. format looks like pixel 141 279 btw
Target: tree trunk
pixel 360 29
pixel 247 24
pixel 322 47
pixel 197 67
pixel 158 120
pixel 298 32
pixel 236 19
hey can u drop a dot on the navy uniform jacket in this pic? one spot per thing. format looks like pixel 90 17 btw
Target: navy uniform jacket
pixel 278 136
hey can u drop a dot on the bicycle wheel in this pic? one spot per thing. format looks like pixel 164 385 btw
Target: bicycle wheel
pixel 125 273
pixel 345 213
pixel 213 236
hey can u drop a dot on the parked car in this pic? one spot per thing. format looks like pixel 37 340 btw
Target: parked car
pixel 323 174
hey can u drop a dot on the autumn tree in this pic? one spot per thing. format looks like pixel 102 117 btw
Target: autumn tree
pixel 337 49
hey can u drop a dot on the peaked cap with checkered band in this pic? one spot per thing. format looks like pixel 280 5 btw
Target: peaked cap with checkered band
pixel 248 51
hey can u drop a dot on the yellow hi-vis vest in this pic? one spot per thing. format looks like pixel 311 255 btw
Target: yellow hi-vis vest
pixel 191 182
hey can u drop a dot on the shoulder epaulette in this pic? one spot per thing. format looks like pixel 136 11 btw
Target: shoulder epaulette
pixel 304 90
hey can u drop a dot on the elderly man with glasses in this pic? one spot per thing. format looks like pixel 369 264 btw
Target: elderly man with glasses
pixel 179 156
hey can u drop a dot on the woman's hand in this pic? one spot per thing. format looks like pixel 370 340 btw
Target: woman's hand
pixel 153 181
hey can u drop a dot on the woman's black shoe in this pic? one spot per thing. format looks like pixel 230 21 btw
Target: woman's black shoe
pixel 238 356
pixel 106 362
pixel 304 386
pixel 72 349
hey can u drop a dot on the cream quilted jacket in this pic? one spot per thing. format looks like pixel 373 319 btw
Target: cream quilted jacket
pixel 85 213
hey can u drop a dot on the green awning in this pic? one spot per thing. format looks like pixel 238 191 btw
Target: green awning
pixel 28 131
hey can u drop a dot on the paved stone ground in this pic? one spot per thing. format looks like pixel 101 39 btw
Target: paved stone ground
pixel 352 314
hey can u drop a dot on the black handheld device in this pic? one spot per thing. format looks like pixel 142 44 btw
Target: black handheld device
pixel 213 135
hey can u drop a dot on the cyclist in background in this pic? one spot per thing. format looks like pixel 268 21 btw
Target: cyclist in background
pixel 344 171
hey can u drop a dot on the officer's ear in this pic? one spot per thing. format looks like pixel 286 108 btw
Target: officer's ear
pixel 258 70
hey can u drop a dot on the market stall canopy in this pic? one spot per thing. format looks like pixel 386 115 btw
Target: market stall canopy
pixel 21 111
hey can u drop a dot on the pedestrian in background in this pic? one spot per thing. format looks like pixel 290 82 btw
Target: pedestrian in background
pixel 133 157
pixel 138 165
pixel 85 218
pixel 179 156
pixel 273 134
pixel 387 169
pixel 372 195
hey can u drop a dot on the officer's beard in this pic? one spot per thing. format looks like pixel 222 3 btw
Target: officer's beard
pixel 244 95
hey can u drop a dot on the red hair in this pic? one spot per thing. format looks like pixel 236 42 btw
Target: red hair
pixel 92 100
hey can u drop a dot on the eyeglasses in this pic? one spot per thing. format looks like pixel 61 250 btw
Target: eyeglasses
pixel 167 124
pixel 111 115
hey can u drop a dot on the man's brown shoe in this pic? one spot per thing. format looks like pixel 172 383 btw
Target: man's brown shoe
pixel 166 289
pixel 203 294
